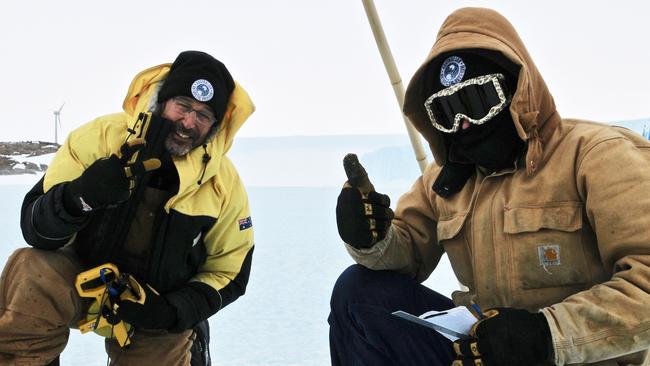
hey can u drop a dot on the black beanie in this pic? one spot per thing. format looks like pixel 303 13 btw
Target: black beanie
pixel 201 77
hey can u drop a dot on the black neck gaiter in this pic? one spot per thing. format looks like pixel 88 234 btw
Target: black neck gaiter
pixel 493 145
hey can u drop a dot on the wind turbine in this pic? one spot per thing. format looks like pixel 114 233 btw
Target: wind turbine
pixel 57 123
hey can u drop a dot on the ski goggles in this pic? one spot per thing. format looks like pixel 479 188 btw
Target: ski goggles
pixel 478 100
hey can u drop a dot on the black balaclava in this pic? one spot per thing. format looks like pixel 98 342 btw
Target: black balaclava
pixel 493 145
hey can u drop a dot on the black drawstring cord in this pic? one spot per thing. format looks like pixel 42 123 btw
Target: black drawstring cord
pixel 141 117
pixel 206 159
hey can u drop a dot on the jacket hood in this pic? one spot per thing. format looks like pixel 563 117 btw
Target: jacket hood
pixel 142 97
pixel 532 108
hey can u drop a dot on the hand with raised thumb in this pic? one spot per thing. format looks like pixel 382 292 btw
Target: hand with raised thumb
pixel 363 215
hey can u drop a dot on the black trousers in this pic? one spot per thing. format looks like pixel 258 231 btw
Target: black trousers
pixel 363 331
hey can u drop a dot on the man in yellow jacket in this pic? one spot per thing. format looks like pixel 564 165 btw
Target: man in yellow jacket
pixel 151 191
pixel 544 219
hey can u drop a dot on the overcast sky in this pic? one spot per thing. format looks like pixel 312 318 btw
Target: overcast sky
pixel 311 67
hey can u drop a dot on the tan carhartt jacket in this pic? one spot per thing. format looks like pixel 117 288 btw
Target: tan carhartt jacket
pixel 566 232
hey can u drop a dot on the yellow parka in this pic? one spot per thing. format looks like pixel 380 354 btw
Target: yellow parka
pixel 208 237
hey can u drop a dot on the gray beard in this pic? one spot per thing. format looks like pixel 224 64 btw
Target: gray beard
pixel 176 149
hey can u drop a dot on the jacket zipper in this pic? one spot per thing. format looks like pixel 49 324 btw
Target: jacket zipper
pixel 157 246
pixel 497 288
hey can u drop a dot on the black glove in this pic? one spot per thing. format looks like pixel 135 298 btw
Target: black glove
pixel 151 311
pixel 363 216
pixel 107 181
pixel 506 337
pixel 362 221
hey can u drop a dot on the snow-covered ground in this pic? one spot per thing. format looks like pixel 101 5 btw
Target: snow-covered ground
pixel 40 160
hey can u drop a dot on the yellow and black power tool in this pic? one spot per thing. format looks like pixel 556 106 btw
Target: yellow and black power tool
pixel 106 285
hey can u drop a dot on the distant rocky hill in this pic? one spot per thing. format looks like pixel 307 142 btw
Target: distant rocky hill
pixel 15 157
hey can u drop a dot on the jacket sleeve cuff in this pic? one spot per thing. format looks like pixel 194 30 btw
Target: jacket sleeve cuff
pixel 371 257
pixel 555 355
pixel 64 208
pixel 45 223
pixel 194 303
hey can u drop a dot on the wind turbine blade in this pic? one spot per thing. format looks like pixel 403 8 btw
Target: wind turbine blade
pixel 59 111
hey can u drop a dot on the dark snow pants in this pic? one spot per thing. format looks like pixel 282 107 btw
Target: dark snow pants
pixel 363 331
pixel 39 304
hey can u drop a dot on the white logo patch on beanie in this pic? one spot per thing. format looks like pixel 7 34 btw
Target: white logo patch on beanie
pixel 202 90
pixel 452 71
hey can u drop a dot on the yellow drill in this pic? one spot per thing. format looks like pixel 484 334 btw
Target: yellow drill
pixel 105 284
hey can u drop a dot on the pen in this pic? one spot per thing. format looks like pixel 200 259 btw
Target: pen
pixel 436 314
pixel 477 309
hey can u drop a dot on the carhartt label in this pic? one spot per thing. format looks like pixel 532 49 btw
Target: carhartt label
pixel 549 255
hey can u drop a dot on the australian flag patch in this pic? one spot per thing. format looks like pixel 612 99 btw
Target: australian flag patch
pixel 245 223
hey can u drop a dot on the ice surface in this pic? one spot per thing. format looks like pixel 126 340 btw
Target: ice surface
pixel 282 319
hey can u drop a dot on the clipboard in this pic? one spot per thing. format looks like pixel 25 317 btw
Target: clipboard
pixel 439 328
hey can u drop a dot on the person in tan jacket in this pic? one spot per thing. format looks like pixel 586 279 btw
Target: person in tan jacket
pixel 545 220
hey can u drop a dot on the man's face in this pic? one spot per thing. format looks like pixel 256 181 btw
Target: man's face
pixel 191 124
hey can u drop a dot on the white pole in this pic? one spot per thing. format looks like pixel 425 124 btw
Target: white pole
pixel 395 79
pixel 398 88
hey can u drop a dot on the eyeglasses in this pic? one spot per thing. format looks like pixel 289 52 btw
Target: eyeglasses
pixel 477 100
pixel 184 107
